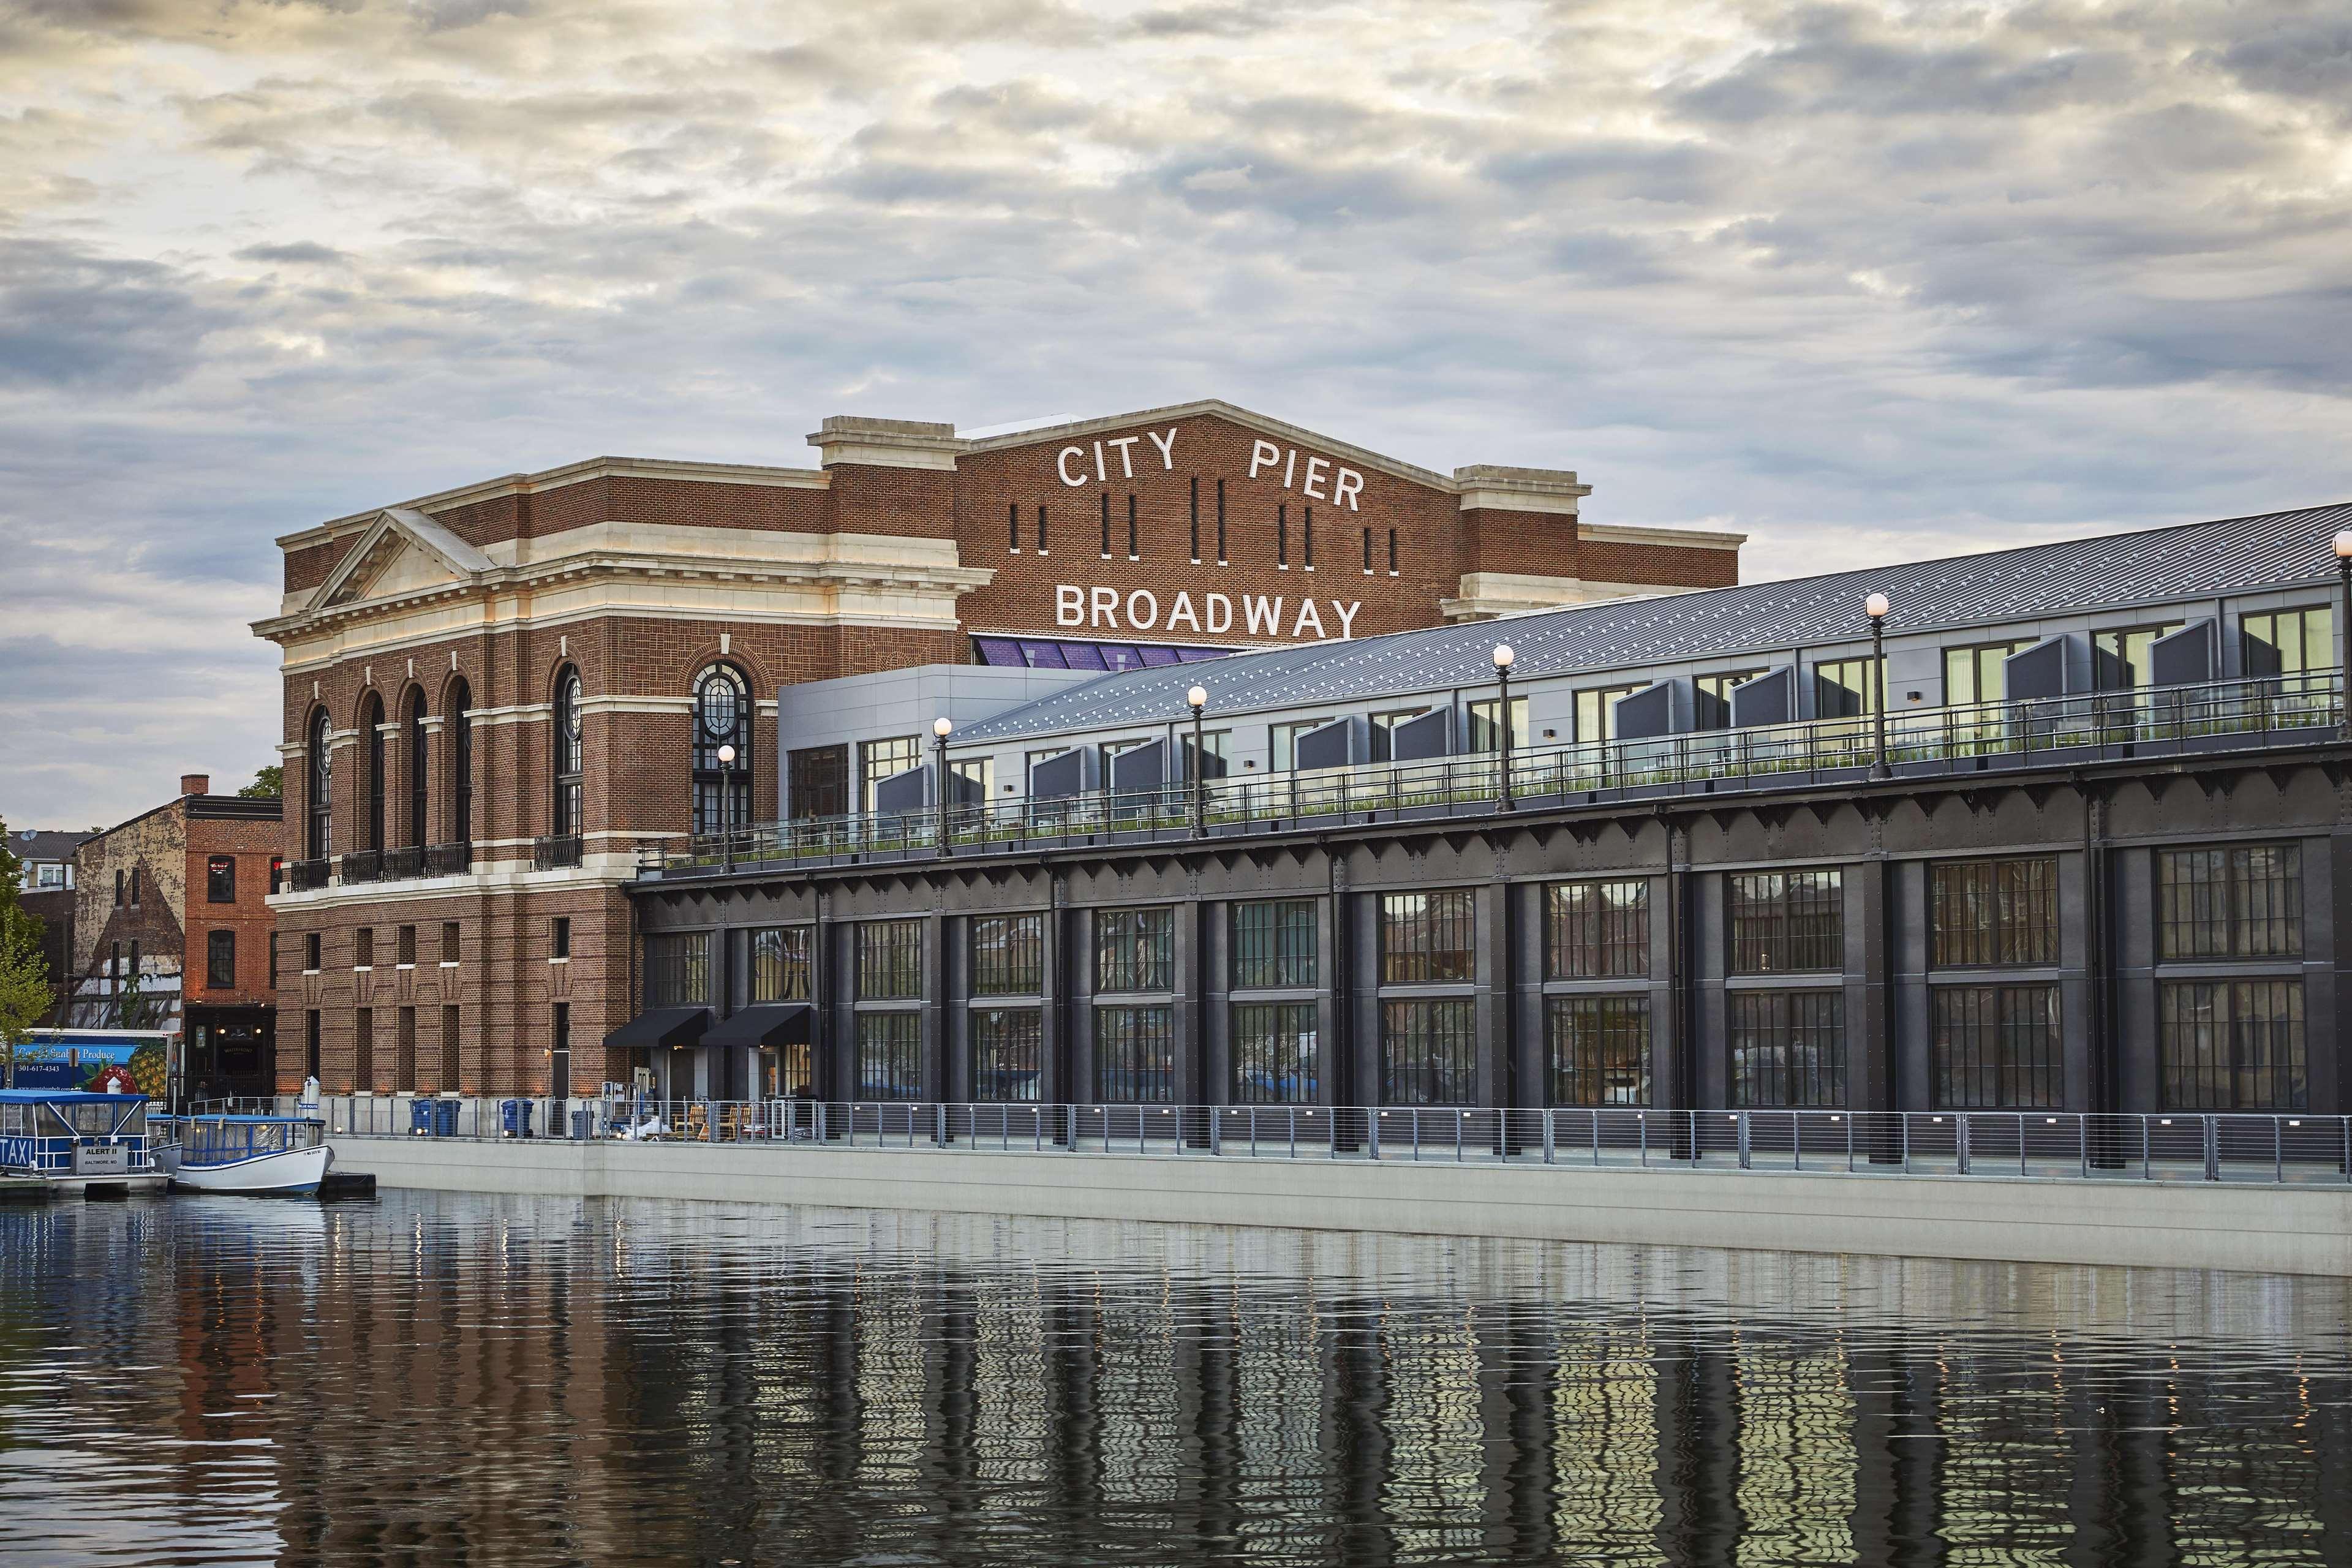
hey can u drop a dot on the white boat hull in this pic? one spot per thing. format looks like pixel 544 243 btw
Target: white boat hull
pixel 293 1172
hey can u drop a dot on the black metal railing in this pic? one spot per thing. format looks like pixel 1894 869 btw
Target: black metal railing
pixel 449 859
pixel 363 865
pixel 303 876
pixel 557 854
pixel 405 862
pixel 2262 1148
pixel 2236 715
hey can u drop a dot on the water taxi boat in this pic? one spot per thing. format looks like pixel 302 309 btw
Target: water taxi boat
pixel 77 1141
pixel 273 1156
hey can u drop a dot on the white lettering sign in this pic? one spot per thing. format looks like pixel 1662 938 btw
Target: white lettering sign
pixel 1347 486
pixel 1105 609
pixel 1125 447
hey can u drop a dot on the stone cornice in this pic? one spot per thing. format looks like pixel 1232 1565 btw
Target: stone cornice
pixel 1684 538
pixel 568 474
pixel 490 585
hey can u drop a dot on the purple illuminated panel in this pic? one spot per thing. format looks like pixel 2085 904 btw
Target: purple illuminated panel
pixel 1045 653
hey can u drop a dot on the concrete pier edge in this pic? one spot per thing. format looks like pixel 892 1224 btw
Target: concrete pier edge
pixel 2167 1225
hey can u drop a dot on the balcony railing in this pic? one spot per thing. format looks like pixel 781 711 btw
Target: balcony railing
pixel 402 863
pixel 449 859
pixel 557 854
pixel 304 876
pixel 363 865
pixel 2237 715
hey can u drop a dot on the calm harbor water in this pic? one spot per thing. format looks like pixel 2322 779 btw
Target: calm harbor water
pixel 457 1379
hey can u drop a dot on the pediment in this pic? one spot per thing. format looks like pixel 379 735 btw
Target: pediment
pixel 402 553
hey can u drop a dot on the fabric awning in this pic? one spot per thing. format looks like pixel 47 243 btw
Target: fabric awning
pixel 767 1024
pixel 662 1026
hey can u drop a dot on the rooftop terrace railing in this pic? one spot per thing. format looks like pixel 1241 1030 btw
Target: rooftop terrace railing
pixel 2052 1145
pixel 2146 722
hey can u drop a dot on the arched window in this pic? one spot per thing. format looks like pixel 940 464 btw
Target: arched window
pixel 722 717
pixel 417 777
pixel 461 762
pixel 372 728
pixel 319 792
pixel 567 790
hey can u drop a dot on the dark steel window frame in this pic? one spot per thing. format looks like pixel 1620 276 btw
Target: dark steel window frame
pixel 1006 954
pixel 1997 1046
pixel 1597 1048
pixel 1429 938
pixel 1785 922
pixel 1787 1047
pixel 1998 912
pixel 1597 928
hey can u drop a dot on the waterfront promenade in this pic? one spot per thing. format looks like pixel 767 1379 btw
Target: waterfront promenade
pixel 2179 1205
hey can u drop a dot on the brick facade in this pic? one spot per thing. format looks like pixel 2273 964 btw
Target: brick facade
pixel 886 558
pixel 146 906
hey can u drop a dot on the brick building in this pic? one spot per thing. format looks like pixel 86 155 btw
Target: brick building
pixel 498 696
pixel 172 930
pixel 46 891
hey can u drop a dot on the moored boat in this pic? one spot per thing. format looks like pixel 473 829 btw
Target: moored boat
pixel 260 1156
pixel 77 1141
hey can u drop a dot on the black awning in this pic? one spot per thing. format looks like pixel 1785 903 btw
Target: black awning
pixel 769 1024
pixel 660 1026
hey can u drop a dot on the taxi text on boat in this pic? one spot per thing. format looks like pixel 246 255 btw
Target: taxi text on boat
pixel 77 1141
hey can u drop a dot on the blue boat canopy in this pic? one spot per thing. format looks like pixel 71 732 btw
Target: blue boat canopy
pixel 63 1097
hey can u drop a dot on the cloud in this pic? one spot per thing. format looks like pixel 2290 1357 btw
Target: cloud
pixel 299 253
pixel 70 319
pixel 1861 279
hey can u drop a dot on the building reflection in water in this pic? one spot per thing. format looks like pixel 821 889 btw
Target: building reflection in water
pixel 449 1378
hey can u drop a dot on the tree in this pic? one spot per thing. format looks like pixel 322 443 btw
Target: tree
pixel 24 996
pixel 24 993
pixel 268 783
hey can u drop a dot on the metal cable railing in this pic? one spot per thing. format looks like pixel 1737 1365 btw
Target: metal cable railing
pixel 2294 709
pixel 2052 1145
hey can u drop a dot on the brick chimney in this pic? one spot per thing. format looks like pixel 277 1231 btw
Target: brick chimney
pixel 195 783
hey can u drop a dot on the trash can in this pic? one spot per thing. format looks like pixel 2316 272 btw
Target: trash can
pixel 445 1119
pixel 514 1118
pixel 583 1124
pixel 421 1118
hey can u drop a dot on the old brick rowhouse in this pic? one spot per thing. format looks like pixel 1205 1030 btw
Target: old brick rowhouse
pixel 496 696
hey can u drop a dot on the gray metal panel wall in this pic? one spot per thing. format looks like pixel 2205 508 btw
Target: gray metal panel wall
pixel 1145 767
pixel 1418 739
pixel 1769 698
pixel 2184 658
pixel 1647 713
pixel 1057 777
pixel 2036 671
pixel 1331 746
pixel 908 791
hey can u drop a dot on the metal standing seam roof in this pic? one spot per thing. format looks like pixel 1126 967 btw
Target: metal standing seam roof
pixel 2231 555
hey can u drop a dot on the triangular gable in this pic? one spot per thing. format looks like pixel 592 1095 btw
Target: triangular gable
pixel 402 551
pixel 1217 408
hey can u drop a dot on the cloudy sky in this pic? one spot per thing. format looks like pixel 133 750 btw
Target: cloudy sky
pixel 1865 281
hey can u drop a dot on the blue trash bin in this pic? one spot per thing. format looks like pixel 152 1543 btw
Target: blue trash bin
pixel 583 1124
pixel 420 1119
pixel 445 1119
pixel 514 1118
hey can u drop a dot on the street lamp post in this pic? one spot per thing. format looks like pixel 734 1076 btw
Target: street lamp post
pixel 1876 607
pixel 727 805
pixel 1503 658
pixel 2344 630
pixel 1197 699
pixel 941 728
